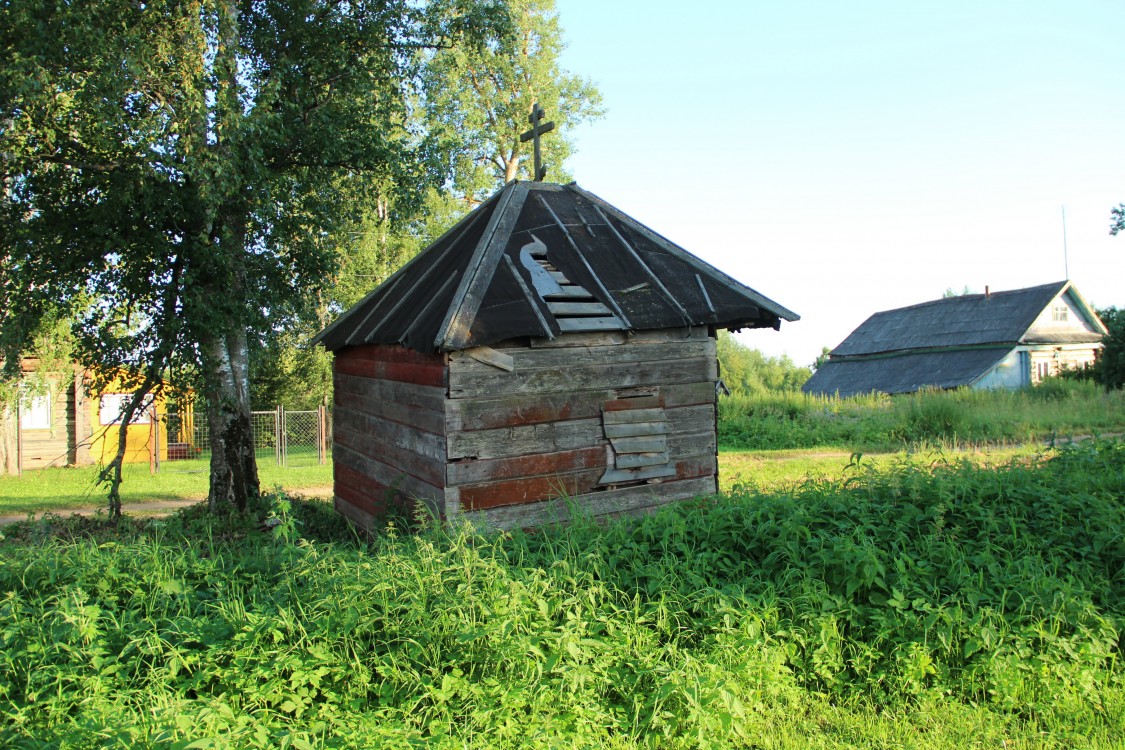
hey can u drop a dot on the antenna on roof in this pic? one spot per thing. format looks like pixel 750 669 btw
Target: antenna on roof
pixel 1066 258
pixel 537 130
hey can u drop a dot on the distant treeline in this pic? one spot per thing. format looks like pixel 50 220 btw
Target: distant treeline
pixel 748 372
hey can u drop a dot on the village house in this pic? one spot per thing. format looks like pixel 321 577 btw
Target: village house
pixel 56 422
pixel 1005 339
pixel 547 354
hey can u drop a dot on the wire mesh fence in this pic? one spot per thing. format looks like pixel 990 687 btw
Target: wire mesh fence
pixel 289 438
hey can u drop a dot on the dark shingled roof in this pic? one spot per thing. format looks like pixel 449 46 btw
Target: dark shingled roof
pixel 967 320
pixel 904 373
pixel 946 343
pixel 539 259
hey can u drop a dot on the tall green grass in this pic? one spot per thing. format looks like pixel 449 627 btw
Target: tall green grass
pixel 877 422
pixel 944 606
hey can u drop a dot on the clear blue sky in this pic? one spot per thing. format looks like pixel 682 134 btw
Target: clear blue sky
pixel 849 157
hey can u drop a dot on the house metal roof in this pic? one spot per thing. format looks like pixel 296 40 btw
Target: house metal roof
pixel 904 373
pixel 540 259
pixel 966 320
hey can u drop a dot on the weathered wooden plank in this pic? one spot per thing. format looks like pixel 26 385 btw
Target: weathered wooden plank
pixel 426 468
pixel 387 353
pixel 608 339
pixel 692 444
pixel 637 460
pixel 537 464
pixel 492 358
pixel 548 437
pixel 689 467
pixel 567 325
pixel 578 308
pixel 636 403
pixel 484 413
pixel 640 473
pixel 609 502
pixel 385 474
pixel 531 298
pixel 422 419
pixel 404 436
pixel 636 429
pixel 527 490
pixel 454 330
pixel 567 435
pixel 427 397
pixel 553 359
pixel 361 518
pixel 407 372
pixel 569 292
pixel 640 444
pixel 639 414
pixel 464 384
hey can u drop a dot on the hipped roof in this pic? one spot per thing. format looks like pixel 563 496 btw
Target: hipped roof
pixel 474 287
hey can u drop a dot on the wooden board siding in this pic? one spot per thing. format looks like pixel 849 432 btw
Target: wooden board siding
pixel 388 431
pixel 473 439
pixel 518 440
pixel 40 448
pixel 635 500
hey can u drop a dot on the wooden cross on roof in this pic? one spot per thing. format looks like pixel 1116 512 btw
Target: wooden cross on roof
pixel 537 129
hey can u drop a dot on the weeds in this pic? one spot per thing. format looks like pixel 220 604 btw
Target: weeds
pixel 881 423
pixel 945 605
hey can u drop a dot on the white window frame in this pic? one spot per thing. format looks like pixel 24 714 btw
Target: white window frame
pixel 35 412
pixel 112 405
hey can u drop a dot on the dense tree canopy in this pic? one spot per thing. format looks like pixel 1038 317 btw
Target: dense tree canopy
pixel 473 104
pixel 171 172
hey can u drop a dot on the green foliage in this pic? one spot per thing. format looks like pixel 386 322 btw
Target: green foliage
pixel 878 422
pixel 931 607
pixel 748 372
pixel 478 101
pixel 172 172
pixel 1117 219
pixel 1110 367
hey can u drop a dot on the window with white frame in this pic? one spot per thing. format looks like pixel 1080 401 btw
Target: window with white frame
pixel 1060 313
pixel 35 412
pixel 113 405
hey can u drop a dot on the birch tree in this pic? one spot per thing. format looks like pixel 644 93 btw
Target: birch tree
pixel 170 170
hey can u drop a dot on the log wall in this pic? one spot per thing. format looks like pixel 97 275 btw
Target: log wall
pixel 526 445
pixel 520 435
pixel 388 433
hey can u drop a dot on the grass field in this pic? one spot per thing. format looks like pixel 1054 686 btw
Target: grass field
pixel 921 602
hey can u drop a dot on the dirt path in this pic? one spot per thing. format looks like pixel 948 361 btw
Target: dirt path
pixel 154 508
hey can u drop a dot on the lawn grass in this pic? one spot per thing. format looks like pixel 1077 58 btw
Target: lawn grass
pixel 56 489
pixel 913 605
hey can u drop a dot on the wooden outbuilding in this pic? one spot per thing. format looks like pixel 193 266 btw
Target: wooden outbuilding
pixel 547 354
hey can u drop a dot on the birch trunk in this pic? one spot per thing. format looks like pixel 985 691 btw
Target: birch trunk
pixel 234 471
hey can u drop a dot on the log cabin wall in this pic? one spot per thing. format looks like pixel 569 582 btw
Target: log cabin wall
pixel 388 432
pixel 614 423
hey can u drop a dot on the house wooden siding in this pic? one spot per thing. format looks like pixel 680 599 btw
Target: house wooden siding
pixel 594 420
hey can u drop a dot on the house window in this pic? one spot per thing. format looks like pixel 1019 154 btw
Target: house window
pixel 1060 313
pixel 1043 370
pixel 35 412
pixel 112 406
